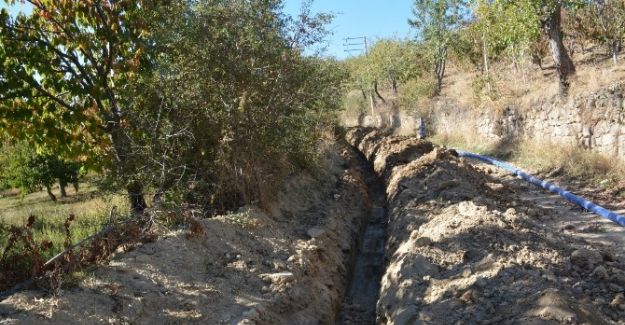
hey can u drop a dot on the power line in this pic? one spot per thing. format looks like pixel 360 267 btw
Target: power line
pixel 356 45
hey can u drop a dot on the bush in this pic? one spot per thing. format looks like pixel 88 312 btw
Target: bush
pixel 237 110
pixel 484 89
pixel 414 91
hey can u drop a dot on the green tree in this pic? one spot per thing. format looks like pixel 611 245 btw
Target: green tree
pixel 548 13
pixel 29 171
pixel 602 21
pixel 437 22
pixel 231 103
pixel 64 73
pixel 393 62
pixel 502 28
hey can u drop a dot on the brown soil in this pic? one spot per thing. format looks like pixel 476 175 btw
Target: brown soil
pixel 464 248
pixel 465 245
pixel 289 266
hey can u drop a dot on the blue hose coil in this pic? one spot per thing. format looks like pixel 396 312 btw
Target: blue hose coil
pixel 597 209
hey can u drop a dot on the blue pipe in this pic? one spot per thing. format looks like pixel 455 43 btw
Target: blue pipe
pixel 619 219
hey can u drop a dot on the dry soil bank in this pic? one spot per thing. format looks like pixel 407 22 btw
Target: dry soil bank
pixel 463 249
pixel 286 266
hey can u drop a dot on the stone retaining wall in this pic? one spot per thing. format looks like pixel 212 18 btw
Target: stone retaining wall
pixel 594 121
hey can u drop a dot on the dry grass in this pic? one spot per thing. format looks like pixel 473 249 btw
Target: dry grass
pixel 545 157
pixel 528 84
pixel 90 208
pixel 572 162
pixel 465 142
pixel 524 87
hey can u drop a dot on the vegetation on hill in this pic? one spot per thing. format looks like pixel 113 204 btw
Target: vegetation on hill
pixel 168 98
pixel 476 35
pixel 184 105
pixel 210 105
pixel 491 55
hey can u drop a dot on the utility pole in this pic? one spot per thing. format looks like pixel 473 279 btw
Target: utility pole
pixel 356 45
pixel 359 45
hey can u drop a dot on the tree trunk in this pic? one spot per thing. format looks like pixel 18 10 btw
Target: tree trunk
pixel 136 197
pixel 615 50
pixel 394 85
pixel 62 186
pixel 50 194
pixel 562 61
pixel 121 144
pixel 361 119
pixel 372 103
pixel 377 93
pixel 439 70
pixel 485 53
pixel 76 185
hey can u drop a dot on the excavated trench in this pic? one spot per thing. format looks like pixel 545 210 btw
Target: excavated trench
pixel 368 266
pixel 461 247
pixel 441 242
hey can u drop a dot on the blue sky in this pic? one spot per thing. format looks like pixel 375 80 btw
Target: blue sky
pixel 12 9
pixel 356 18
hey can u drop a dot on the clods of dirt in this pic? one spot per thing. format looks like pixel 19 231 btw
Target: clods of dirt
pixel 286 266
pixel 463 249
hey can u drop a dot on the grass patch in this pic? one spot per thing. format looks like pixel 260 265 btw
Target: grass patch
pixel 90 207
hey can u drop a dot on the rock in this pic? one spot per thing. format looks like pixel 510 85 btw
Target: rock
pixel 615 287
pixel 467 208
pixel 599 301
pixel 618 278
pixel 315 232
pixel 585 258
pixel 423 241
pixel 618 300
pixel 568 227
pixel 495 186
pixel 250 314
pixel 466 272
pixel 277 278
pixel 549 276
pixel 480 283
pixel 600 273
pixel 468 297
pixel 278 265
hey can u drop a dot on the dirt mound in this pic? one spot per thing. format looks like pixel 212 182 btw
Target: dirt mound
pixel 355 135
pixel 395 151
pixel 289 266
pixel 389 151
pixel 371 141
pixel 463 250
